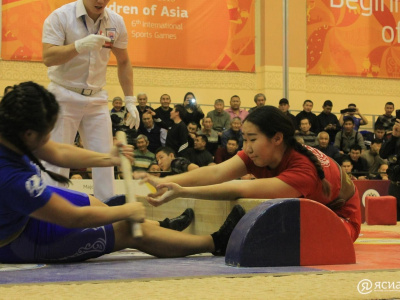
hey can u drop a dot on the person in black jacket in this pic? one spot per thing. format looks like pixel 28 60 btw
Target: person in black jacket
pixel 307 113
pixel 391 151
pixel 193 110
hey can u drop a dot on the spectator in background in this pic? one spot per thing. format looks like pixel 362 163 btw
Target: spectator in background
pixel 220 118
pixel 379 133
pixel 227 152
pixel 372 157
pixel 382 172
pixel 387 120
pixel 348 137
pixel 155 134
pixel 308 136
pixel 192 130
pixel 307 113
pixel 143 107
pixel 193 110
pixel 284 107
pixel 360 165
pixel 199 154
pixel 327 121
pixel 233 132
pixel 352 112
pixel 325 147
pixel 210 133
pixel 177 135
pixel 117 114
pixel 154 169
pixel 143 157
pixel 347 166
pixel 391 151
pixel 234 110
pixel 165 157
pixel 162 117
pixel 259 100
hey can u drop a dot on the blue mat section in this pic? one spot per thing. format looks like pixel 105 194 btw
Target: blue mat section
pixel 130 264
pixel 268 235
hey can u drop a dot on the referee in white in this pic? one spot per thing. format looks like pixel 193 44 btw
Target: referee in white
pixel 76 49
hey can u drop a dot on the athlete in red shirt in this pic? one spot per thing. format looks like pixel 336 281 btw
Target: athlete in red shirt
pixel 283 167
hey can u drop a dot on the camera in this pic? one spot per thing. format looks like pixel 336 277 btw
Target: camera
pixel 397 113
pixel 347 110
pixel 193 101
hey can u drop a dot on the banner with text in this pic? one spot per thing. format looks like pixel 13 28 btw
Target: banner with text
pixel 184 34
pixel 353 38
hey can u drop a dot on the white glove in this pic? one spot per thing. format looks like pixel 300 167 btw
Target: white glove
pixel 90 43
pixel 134 118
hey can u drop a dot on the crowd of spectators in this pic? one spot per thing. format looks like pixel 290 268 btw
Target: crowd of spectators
pixel 178 138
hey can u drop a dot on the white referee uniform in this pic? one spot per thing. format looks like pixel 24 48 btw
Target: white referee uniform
pixel 78 84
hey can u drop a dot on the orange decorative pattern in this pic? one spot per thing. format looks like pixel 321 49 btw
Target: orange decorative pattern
pixel 184 34
pixel 353 38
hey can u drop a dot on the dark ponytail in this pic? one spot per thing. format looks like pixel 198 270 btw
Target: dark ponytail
pixel 28 106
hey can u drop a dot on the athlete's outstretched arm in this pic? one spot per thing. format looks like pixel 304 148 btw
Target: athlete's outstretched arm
pixel 61 212
pixel 228 170
pixel 69 156
pixel 264 188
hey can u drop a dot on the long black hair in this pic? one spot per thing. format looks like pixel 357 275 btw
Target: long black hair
pixel 270 120
pixel 28 106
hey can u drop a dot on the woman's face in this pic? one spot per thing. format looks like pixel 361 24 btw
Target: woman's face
pixel 263 151
pixel 188 99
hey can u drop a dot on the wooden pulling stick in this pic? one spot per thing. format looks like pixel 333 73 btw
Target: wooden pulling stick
pixel 127 172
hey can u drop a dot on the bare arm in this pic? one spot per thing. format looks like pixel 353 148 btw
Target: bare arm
pixel 69 156
pixel 341 121
pixel 61 212
pixel 364 120
pixel 54 55
pixel 265 188
pixel 228 170
pixel 192 167
pixel 125 71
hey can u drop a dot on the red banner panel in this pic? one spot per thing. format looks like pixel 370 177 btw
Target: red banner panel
pixel 353 38
pixel 184 34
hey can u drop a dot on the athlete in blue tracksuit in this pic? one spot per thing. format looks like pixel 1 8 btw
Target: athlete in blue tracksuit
pixel 39 223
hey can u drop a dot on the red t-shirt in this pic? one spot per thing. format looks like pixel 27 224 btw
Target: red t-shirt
pixel 299 172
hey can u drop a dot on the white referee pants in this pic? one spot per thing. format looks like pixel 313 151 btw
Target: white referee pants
pixel 90 116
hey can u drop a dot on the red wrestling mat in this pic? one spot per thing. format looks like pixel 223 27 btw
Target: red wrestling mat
pixel 375 250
